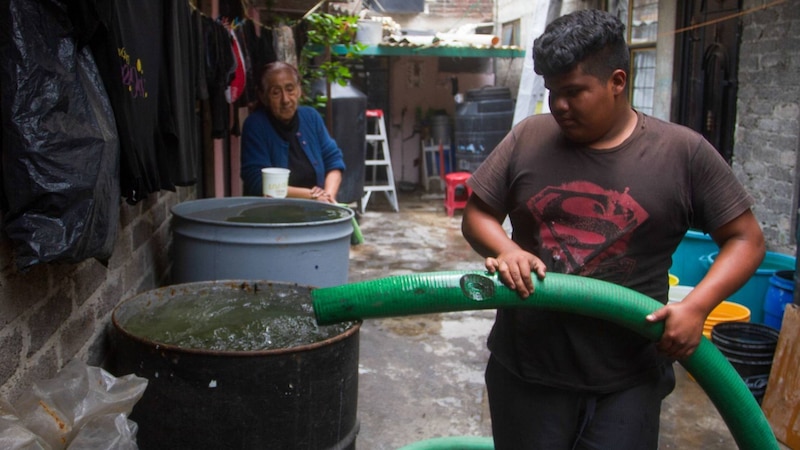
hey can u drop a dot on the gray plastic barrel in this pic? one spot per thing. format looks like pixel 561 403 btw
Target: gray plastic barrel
pixel 301 241
pixel 301 397
pixel 441 129
pixel 442 133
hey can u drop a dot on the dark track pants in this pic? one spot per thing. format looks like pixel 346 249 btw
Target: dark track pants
pixel 527 416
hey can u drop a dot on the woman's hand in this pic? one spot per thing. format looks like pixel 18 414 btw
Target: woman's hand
pixel 319 194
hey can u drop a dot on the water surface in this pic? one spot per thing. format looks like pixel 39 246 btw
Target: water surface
pixel 234 320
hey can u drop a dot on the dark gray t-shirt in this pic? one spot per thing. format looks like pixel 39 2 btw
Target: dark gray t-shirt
pixel 615 215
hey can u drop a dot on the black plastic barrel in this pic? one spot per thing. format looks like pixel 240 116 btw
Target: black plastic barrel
pixel 349 107
pixel 302 397
pixel 481 122
pixel 750 348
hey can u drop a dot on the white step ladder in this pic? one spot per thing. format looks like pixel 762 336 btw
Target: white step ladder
pixel 377 157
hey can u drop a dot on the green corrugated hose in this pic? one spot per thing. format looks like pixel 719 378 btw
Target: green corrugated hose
pixel 356 238
pixel 453 443
pixel 461 291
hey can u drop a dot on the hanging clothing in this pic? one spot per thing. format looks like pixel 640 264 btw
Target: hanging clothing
pixel 260 51
pixel 199 55
pixel 180 150
pixel 244 47
pixel 236 87
pixel 128 49
pixel 220 66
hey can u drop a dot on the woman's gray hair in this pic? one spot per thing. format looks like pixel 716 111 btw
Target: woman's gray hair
pixel 274 67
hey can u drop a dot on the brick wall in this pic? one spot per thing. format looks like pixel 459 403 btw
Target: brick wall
pixel 767 137
pixel 445 15
pixel 462 9
pixel 55 312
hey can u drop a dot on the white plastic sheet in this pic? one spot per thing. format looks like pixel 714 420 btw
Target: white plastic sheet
pixel 83 407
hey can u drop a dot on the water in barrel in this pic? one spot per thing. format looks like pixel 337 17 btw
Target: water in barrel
pixel 218 320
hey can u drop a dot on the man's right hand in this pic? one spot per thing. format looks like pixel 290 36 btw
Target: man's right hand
pixel 515 268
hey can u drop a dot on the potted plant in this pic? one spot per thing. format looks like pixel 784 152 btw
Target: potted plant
pixel 326 33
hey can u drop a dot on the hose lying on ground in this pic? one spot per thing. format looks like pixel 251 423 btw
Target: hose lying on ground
pixel 461 291
pixel 452 443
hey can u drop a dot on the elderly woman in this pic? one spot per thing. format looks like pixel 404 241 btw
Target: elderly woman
pixel 281 133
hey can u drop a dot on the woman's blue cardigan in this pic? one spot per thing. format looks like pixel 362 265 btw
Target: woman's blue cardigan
pixel 263 147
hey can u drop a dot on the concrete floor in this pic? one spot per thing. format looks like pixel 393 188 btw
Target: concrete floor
pixel 421 377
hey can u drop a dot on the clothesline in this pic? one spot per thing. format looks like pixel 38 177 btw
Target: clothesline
pixel 236 21
pixel 228 22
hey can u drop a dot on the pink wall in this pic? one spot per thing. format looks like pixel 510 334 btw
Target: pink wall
pixel 417 82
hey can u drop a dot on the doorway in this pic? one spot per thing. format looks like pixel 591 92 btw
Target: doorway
pixel 707 65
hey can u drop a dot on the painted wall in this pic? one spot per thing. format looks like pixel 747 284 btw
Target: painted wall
pixel 532 17
pixel 417 83
pixel 665 55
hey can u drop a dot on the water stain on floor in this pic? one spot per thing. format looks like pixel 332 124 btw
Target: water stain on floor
pixel 413 326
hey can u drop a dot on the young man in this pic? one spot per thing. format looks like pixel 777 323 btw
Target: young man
pixel 598 189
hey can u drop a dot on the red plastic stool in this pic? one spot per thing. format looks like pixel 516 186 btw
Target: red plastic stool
pixel 452 181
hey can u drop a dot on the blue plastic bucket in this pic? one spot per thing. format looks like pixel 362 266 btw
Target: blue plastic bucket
pixel 686 260
pixel 752 293
pixel 779 294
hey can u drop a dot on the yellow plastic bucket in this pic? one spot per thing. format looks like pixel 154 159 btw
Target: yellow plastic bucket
pixel 673 280
pixel 725 312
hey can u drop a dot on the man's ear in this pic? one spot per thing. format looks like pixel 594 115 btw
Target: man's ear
pixel 619 81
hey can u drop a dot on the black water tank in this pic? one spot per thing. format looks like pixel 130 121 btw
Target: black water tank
pixel 350 132
pixel 482 121
pixel 301 397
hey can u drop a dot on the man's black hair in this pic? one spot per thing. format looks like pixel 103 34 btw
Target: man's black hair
pixel 591 37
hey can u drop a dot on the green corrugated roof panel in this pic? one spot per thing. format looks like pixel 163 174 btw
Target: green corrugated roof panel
pixel 452 51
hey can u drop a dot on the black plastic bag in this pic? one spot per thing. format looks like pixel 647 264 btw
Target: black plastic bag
pixel 60 153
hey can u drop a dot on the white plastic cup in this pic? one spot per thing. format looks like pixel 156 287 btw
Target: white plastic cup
pixel 275 181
